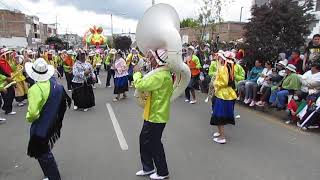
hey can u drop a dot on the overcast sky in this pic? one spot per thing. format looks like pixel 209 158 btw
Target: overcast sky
pixel 76 16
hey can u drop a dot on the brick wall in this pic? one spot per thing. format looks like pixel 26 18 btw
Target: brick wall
pixel 12 24
pixel 228 31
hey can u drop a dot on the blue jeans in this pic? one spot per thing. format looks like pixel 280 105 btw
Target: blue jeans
pixel 279 98
pixel 49 166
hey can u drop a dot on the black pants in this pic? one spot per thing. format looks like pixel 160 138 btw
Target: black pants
pixel 49 166
pixel 110 74
pixel 8 98
pixel 69 77
pixel 151 148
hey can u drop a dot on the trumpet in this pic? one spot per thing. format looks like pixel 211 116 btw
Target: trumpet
pixel 19 70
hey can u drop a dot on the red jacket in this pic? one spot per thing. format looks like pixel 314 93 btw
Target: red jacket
pixel 5 67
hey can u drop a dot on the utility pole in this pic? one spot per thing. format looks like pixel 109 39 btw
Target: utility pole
pixel 241 14
pixel 111 26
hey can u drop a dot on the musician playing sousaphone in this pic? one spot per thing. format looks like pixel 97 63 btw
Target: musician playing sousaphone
pixel 161 43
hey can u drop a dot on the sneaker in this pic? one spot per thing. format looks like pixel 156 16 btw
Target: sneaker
pixel 115 100
pixel 216 134
pixel 248 101
pixel 12 113
pixel 46 179
pixel 219 140
pixel 85 110
pixel 207 100
pixel 2 120
pixel 69 90
pixel 75 107
pixel 187 100
pixel 156 176
pixel 238 116
pixel 143 173
pixel 20 104
pixel 193 102
pixel 288 122
pixel 313 127
pixel 94 87
pixel 253 103
pixel 238 98
pixel 109 86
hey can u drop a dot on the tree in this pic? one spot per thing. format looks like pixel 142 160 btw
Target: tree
pixel 57 42
pixel 278 26
pixel 122 42
pixel 210 14
pixel 189 22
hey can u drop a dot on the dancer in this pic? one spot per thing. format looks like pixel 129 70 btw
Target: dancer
pixel 224 99
pixel 47 105
pixel 110 66
pixel 83 80
pixel 67 66
pixel 121 77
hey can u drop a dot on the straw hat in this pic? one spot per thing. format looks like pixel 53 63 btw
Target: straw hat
pixel 39 70
pixel 292 68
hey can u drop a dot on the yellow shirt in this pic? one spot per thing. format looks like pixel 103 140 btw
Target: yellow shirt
pixel 222 90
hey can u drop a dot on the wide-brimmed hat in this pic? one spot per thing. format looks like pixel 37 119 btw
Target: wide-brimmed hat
pixel 292 68
pixel 284 63
pixel 191 48
pixel 70 52
pixel 91 53
pixel 39 70
pixel 5 51
pixel 113 51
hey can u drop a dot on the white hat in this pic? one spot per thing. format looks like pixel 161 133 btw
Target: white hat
pixel 283 63
pixel 91 53
pixel 113 51
pixel 39 70
pixel 70 52
pixel 5 51
pixel 161 55
pixel 191 47
pixel 292 68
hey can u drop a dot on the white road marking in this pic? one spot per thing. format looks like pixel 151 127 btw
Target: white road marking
pixel 117 128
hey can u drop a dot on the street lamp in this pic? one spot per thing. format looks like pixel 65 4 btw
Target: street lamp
pixel 241 14
pixel 111 16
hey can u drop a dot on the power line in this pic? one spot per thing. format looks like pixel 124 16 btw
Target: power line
pixel 5 5
pixel 23 7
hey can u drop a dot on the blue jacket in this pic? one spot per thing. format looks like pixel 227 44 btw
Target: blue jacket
pixel 254 74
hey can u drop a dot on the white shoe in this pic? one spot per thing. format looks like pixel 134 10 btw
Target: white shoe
pixel 2 120
pixel 207 100
pixel 75 107
pixel 288 122
pixel 20 104
pixel 238 116
pixel 313 127
pixel 246 101
pixel 253 103
pixel 216 134
pixel 156 176
pixel 187 100
pixel 219 140
pixel 109 86
pixel 12 113
pixel 93 87
pixel 193 102
pixel 238 98
pixel 143 173
pixel 69 90
pixel 85 110
pixel 46 179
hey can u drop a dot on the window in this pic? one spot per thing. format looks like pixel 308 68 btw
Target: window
pixel 318 5
pixel 36 36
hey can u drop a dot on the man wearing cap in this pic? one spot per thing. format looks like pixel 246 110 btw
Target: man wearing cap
pixel 156 114
pixel 289 85
pixel 110 58
pixel 195 66
pixel 67 66
pixel 47 105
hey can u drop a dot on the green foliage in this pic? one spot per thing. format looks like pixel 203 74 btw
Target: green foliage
pixel 278 26
pixel 122 42
pixel 189 22
pixel 57 42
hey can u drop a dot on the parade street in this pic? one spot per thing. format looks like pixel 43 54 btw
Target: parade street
pixel 94 147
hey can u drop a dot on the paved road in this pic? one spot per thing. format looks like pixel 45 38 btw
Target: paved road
pixel 259 146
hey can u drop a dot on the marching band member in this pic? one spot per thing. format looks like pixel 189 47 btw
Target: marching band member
pixel 156 115
pixel 68 63
pixel 110 66
pixel 9 94
pixel 21 87
pixel 132 60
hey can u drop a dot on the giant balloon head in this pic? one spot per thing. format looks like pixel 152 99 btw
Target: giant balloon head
pixel 95 37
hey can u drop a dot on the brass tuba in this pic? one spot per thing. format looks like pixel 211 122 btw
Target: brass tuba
pixel 159 29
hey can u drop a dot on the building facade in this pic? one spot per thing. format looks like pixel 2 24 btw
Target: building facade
pixel 12 29
pixel 73 40
pixel 227 31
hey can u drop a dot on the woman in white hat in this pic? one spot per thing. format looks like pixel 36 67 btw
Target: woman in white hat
pixel 289 85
